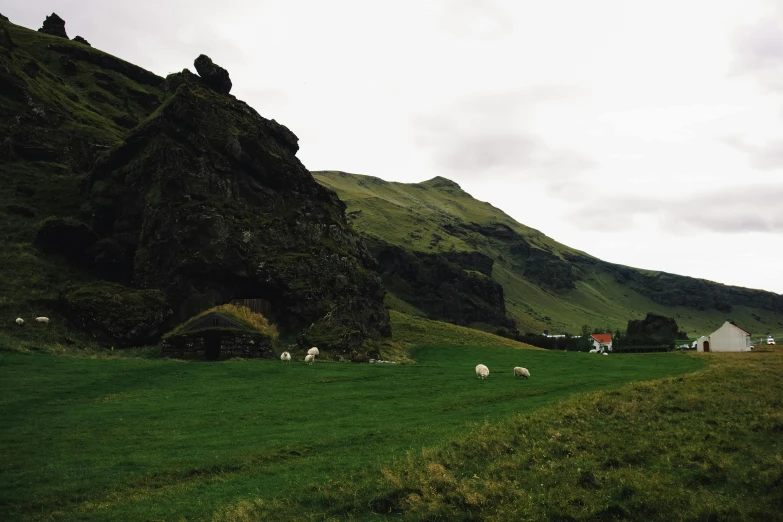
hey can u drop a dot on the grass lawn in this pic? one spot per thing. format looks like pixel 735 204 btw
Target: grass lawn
pixel 143 439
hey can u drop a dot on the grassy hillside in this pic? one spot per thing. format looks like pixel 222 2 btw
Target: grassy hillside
pixel 58 113
pixel 151 439
pixel 547 285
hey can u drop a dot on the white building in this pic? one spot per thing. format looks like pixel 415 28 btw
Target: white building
pixel 727 338
pixel 602 342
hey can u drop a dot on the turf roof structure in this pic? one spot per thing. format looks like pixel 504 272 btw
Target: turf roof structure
pixel 222 332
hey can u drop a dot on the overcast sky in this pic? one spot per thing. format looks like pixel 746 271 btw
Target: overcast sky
pixel 646 133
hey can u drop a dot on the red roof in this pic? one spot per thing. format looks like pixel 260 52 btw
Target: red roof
pixel 603 338
pixel 738 328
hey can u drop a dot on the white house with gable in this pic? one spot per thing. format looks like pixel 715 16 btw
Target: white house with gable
pixel 727 338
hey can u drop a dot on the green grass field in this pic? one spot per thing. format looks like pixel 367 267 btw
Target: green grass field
pixel 148 439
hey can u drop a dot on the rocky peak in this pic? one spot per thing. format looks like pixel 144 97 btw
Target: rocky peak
pixel 54 25
pixel 81 40
pixel 213 75
pixel 206 201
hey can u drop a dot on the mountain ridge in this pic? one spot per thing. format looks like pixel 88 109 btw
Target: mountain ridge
pixel 547 285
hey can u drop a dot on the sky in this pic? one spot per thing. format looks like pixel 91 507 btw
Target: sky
pixel 648 134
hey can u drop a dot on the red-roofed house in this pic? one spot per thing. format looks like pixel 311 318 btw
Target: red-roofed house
pixel 727 338
pixel 602 342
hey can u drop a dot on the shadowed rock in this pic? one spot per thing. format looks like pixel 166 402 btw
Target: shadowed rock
pixel 207 202
pixel 81 41
pixel 54 25
pixel 213 75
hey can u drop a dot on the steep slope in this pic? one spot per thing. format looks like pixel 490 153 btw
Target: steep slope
pixel 167 197
pixel 546 285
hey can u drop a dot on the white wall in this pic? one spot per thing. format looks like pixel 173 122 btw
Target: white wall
pixel 729 338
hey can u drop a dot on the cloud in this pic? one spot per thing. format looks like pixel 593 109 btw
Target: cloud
pixel 491 135
pixel 768 156
pixel 759 51
pixel 730 211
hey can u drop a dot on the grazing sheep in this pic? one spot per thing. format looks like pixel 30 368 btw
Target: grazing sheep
pixel 482 371
pixel 313 351
pixel 44 320
pixel 594 350
pixel 606 353
pixel 521 372
pixel 19 321
pixel 285 357
pixel 309 358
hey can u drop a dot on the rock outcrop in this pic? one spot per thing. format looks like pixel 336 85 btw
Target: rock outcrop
pixel 81 40
pixel 208 202
pixel 54 25
pixel 213 75
pixel 454 287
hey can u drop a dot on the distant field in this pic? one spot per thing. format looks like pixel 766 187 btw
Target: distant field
pixel 150 439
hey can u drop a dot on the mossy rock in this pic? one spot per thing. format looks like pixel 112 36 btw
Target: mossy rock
pixel 116 315
pixel 65 236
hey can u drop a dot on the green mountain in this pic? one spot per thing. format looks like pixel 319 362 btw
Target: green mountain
pixel 434 242
pixel 131 202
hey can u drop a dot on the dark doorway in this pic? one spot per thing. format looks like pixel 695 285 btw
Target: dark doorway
pixel 706 346
pixel 211 346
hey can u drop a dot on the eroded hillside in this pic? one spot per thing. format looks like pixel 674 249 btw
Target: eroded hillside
pixel 546 285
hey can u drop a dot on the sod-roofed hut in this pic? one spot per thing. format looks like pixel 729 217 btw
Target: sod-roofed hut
pixel 221 332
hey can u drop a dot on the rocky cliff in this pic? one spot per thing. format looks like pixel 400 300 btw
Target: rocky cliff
pixel 173 187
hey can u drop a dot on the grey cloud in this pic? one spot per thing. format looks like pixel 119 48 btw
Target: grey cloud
pixel 765 157
pixel 486 135
pixel 759 50
pixel 749 209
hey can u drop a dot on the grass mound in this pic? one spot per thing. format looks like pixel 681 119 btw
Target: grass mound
pixel 240 314
pixel 680 448
pixel 414 330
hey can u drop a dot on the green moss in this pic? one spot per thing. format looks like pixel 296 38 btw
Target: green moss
pixel 241 314
pixel 116 314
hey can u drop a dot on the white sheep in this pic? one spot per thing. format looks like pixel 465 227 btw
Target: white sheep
pixel 521 372
pixel 482 371
pixel 285 357
pixel 606 353
pixel 19 321
pixel 309 358
pixel 44 320
pixel 313 351
pixel 594 350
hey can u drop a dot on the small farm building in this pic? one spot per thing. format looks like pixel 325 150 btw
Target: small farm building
pixel 727 338
pixel 602 342
pixel 217 334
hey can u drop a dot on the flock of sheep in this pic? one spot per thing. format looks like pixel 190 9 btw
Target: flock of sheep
pixel 309 358
pixel 44 320
pixel 482 372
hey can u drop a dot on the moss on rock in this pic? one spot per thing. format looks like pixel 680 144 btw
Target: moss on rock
pixel 115 315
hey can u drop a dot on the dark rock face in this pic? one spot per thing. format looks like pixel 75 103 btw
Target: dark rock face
pixel 116 315
pixel 207 201
pixel 54 25
pixel 81 41
pixel 446 286
pixel 66 237
pixel 106 61
pixel 213 75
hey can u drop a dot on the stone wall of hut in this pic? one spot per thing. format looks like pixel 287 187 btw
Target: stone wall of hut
pixel 232 344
